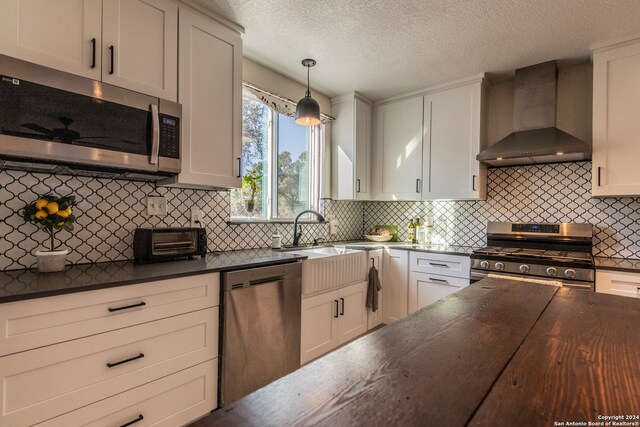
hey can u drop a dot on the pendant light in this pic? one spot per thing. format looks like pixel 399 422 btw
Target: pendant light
pixel 308 110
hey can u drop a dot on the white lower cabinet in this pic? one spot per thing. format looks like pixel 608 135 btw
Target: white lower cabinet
pixel 434 276
pixel 618 283
pixel 331 319
pixel 170 401
pixel 396 280
pixel 425 289
pixel 96 353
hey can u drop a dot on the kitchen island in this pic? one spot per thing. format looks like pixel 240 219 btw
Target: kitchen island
pixel 499 352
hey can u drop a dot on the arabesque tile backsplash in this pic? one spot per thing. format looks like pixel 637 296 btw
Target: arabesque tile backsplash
pixel 537 193
pixel 109 210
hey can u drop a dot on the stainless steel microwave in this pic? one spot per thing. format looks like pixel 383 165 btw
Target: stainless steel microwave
pixel 55 118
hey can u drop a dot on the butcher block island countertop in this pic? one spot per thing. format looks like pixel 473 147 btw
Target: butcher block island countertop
pixel 498 353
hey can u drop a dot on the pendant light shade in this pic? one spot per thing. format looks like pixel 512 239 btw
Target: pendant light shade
pixel 308 109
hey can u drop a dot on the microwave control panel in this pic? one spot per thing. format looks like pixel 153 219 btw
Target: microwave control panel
pixel 169 136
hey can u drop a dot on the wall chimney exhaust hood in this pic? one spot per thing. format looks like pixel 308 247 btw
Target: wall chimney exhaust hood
pixel 535 139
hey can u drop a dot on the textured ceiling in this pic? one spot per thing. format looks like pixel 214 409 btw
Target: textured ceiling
pixel 383 48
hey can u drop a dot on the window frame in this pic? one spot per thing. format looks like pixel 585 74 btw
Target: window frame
pixel 315 159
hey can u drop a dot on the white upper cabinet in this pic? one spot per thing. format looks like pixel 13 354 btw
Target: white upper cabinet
pixel 210 91
pixel 454 133
pixel 140 45
pixel 61 34
pixel 426 144
pixel 398 147
pixel 351 139
pixel 616 128
pixel 126 43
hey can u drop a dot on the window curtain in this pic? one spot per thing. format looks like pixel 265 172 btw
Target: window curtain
pixel 279 103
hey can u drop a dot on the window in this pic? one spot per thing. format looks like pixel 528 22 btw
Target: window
pixel 281 165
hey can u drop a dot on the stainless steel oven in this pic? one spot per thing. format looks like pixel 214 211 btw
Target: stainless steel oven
pixel 479 275
pixel 57 118
pixel 557 254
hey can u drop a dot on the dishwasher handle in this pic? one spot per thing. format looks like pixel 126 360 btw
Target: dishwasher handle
pixel 240 279
pixel 236 286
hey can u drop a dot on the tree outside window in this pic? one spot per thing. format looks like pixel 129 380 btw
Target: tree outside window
pixel 277 162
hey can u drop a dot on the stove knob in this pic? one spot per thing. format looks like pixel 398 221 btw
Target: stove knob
pixel 570 273
pixel 484 264
pixel 552 271
pixel 499 266
pixel 524 268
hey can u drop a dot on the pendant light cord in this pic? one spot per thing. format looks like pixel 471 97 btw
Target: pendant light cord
pixel 308 82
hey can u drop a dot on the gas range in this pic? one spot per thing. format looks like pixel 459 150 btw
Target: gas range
pixel 555 254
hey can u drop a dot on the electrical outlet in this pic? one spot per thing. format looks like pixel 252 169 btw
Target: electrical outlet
pixel 156 205
pixel 333 226
pixel 196 218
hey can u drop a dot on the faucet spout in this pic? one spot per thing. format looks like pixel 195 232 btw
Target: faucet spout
pixel 297 230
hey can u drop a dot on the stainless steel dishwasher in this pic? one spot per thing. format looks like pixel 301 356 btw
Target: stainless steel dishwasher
pixel 261 328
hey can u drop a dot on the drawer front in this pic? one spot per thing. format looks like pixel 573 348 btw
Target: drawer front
pixel 444 265
pixel 618 283
pixel 43 383
pixel 25 325
pixel 170 401
pixel 425 289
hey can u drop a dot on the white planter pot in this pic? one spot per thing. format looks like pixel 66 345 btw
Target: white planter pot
pixel 51 261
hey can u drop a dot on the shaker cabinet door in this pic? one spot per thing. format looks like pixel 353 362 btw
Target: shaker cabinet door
pixel 61 34
pixel 453 137
pixel 140 46
pixel 210 91
pixel 399 150
pixel 616 96
pixel 319 325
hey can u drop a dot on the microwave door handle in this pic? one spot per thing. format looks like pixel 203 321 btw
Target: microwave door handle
pixel 155 138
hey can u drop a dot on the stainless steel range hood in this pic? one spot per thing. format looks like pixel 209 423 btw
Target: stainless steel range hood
pixel 535 139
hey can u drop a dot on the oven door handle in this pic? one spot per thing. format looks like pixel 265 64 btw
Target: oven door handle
pixel 155 137
pixel 477 276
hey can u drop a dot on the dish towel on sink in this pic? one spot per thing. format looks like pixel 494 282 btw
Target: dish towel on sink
pixel 374 287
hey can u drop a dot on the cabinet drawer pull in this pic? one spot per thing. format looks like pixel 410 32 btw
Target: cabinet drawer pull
pixel 336 301
pixel 342 309
pixel 111 53
pixel 93 53
pixel 125 307
pixel 132 422
pixel 239 167
pixel 439 280
pixel 131 359
pixel 358 185
pixel 418 185
pixel 599 168
pixel 473 183
pixel 435 264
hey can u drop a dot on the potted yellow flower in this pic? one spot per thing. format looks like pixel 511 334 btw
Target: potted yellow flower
pixel 51 214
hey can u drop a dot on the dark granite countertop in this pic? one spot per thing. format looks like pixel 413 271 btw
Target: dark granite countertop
pixel 437 249
pixel 18 285
pixel 617 264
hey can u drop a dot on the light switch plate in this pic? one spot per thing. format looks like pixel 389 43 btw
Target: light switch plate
pixel 156 205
